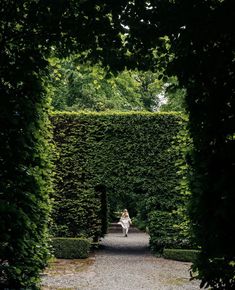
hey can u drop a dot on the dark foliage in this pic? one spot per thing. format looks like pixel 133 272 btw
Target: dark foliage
pixel 202 39
pixel 71 248
pixel 205 64
pixel 181 255
pixel 25 166
pixel 129 156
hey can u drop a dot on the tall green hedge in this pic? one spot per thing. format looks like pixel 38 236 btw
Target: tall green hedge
pixel 130 155
pixel 25 182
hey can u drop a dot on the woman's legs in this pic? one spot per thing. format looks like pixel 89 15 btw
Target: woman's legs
pixel 126 231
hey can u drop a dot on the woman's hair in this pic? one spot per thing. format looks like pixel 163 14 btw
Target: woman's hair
pixel 125 213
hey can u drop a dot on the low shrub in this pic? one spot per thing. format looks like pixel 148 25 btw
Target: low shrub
pixel 71 248
pixel 180 254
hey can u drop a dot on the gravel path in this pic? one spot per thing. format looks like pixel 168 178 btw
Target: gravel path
pixel 121 264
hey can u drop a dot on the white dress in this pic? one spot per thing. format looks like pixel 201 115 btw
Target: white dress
pixel 125 222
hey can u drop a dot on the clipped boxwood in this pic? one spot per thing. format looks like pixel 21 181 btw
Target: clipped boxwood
pixel 180 254
pixel 71 248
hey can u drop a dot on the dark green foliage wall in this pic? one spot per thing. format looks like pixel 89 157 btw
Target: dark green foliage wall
pixel 25 177
pixel 77 210
pixel 205 65
pixel 25 161
pixel 129 155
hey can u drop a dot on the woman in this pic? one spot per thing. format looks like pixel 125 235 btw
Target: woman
pixel 125 222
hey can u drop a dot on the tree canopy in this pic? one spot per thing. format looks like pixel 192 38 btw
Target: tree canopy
pixel 75 86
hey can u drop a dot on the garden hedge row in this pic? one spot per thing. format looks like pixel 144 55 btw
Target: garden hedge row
pixel 130 157
pixel 71 248
pixel 181 254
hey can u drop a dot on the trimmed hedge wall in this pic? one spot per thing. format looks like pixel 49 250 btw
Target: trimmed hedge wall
pixel 128 155
pixel 181 255
pixel 71 248
pixel 26 172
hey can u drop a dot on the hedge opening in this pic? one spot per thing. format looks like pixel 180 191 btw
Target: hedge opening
pixel 110 161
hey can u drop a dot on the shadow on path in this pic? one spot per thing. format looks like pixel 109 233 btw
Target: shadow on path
pixel 117 244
